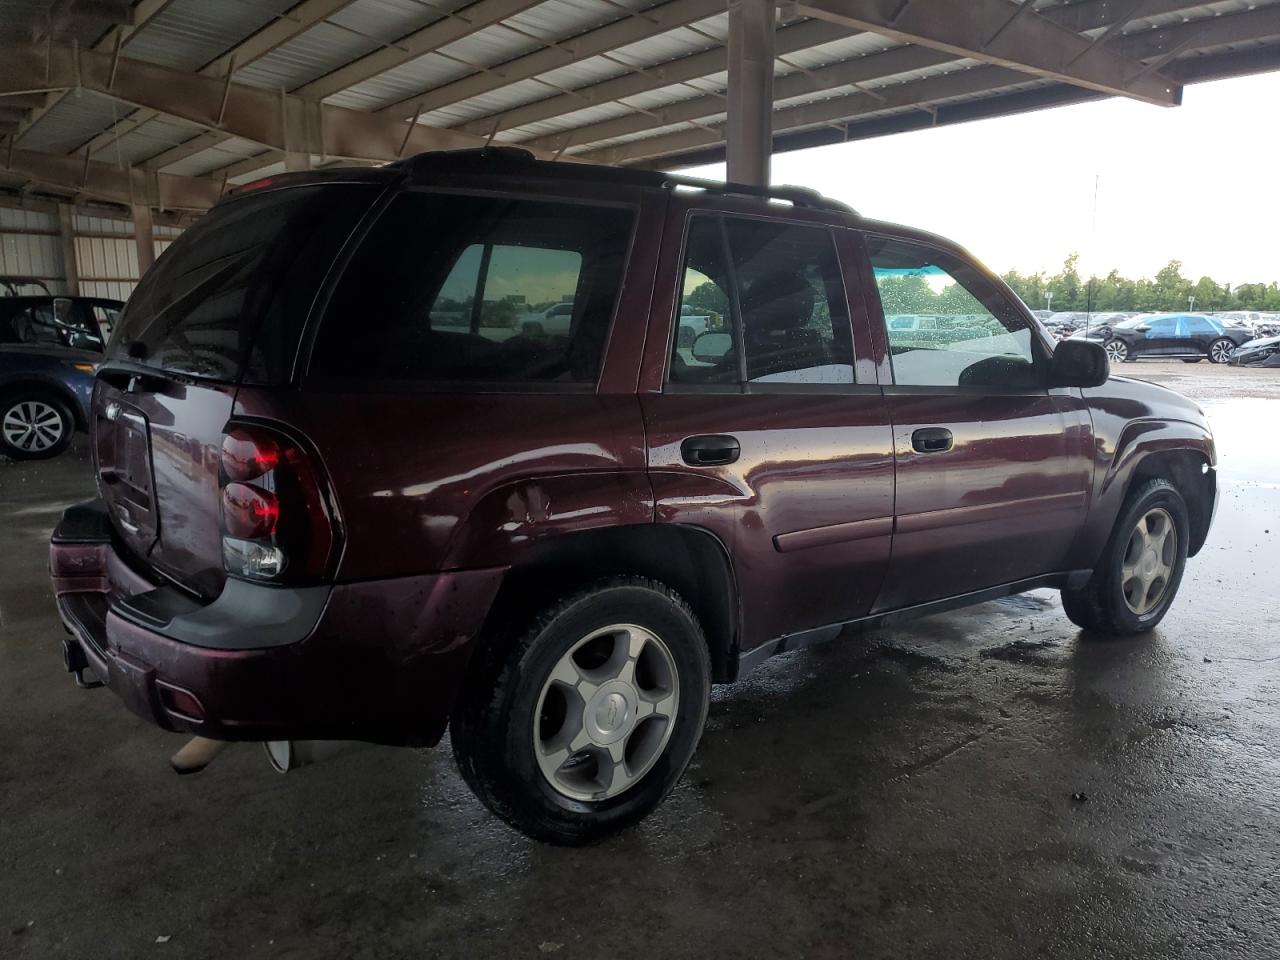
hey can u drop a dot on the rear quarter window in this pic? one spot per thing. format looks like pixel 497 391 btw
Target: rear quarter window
pixel 228 300
pixel 477 289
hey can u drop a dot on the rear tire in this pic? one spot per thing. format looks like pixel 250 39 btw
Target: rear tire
pixel 582 726
pixel 34 425
pixel 1192 359
pixel 1139 572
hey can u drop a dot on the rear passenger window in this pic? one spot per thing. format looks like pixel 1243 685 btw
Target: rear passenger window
pixel 761 302
pixel 458 288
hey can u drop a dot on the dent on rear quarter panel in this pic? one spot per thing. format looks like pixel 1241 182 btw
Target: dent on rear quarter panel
pixel 425 481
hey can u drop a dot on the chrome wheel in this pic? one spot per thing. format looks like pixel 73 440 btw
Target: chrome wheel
pixel 1220 351
pixel 1149 559
pixel 605 712
pixel 32 426
pixel 1117 351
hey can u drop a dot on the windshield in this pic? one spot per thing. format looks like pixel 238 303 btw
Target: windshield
pixel 228 299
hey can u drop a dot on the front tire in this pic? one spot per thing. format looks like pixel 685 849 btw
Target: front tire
pixel 1141 566
pixel 1220 350
pixel 34 425
pixel 583 725
pixel 1117 351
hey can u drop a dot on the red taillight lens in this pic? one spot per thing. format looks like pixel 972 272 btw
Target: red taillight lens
pixel 249 511
pixel 281 526
pixel 247 456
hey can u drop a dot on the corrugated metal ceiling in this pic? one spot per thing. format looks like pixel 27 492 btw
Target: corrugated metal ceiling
pixel 188 34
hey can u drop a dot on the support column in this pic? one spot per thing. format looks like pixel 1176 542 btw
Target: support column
pixel 70 264
pixel 143 235
pixel 750 125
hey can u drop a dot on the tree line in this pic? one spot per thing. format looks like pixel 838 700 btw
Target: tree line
pixel 1168 291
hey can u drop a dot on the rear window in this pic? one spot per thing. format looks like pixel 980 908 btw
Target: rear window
pixel 470 288
pixel 227 301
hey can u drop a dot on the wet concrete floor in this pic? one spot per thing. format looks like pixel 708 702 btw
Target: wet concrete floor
pixel 987 784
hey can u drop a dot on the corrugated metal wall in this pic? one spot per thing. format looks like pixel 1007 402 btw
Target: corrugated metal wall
pixel 107 255
pixel 30 246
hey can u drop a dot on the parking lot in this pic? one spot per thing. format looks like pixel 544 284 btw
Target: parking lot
pixel 988 783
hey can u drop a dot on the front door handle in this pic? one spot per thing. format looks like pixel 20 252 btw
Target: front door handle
pixel 932 440
pixel 710 450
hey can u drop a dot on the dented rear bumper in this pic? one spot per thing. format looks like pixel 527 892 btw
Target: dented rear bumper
pixel 379 660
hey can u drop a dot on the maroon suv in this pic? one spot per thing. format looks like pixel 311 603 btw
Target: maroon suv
pixel 540 451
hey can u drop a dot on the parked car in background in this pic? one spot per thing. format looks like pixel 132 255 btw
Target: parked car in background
pixel 1263 352
pixel 49 347
pixel 344 521
pixel 1182 336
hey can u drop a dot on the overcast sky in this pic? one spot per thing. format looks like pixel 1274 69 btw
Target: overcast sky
pixel 1199 183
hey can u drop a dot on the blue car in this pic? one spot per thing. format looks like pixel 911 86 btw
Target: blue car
pixel 49 349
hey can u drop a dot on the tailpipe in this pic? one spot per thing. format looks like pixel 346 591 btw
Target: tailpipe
pixel 196 754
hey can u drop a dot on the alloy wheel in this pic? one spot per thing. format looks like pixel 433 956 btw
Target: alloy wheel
pixel 32 426
pixel 1149 559
pixel 1117 351
pixel 1220 351
pixel 605 712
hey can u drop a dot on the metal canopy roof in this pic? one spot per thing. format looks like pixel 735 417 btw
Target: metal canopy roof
pixel 164 102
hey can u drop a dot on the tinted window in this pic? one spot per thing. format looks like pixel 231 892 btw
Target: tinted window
pixel 1201 326
pixel 947 325
pixel 768 293
pixel 230 296
pixel 477 289
pixel 30 323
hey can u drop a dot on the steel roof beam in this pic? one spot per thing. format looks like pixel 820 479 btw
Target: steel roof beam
pixel 75 176
pixel 789 39
pixel 276 33
pixel 115 39
pixel 828 79
pixel 1089 15
pixel 277 121
pixel 591 43
pixel 915 93
pixel 449 28
pixel 987 31
pixel 1145 45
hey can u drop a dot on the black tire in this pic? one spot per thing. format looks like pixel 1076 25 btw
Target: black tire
pixel 1100 606
pixel 18 403
pixel 1192 359
pixel 493 726
pixel 1220 350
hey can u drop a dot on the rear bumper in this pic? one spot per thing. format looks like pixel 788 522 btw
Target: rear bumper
pixel 377 661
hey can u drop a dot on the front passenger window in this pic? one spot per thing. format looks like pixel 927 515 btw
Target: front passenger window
pixel 947 325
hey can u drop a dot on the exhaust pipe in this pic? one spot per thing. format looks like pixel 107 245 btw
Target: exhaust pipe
pixel 286 755
pixel 197 754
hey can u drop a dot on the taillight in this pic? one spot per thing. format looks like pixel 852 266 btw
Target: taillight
pixel 276 521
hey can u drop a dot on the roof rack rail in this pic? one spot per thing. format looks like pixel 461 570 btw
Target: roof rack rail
pixel 798 196
pixel 515 154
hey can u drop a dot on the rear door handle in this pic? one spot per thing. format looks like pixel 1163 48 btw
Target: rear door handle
pixel 932 440
pixel 710 450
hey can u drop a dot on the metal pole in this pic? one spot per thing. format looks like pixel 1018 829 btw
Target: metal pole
pixel 143 235
pixel 750 130
pixel 70 265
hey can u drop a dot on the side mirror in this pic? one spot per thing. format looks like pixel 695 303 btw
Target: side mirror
pixel 712 347
pixel 1079 363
